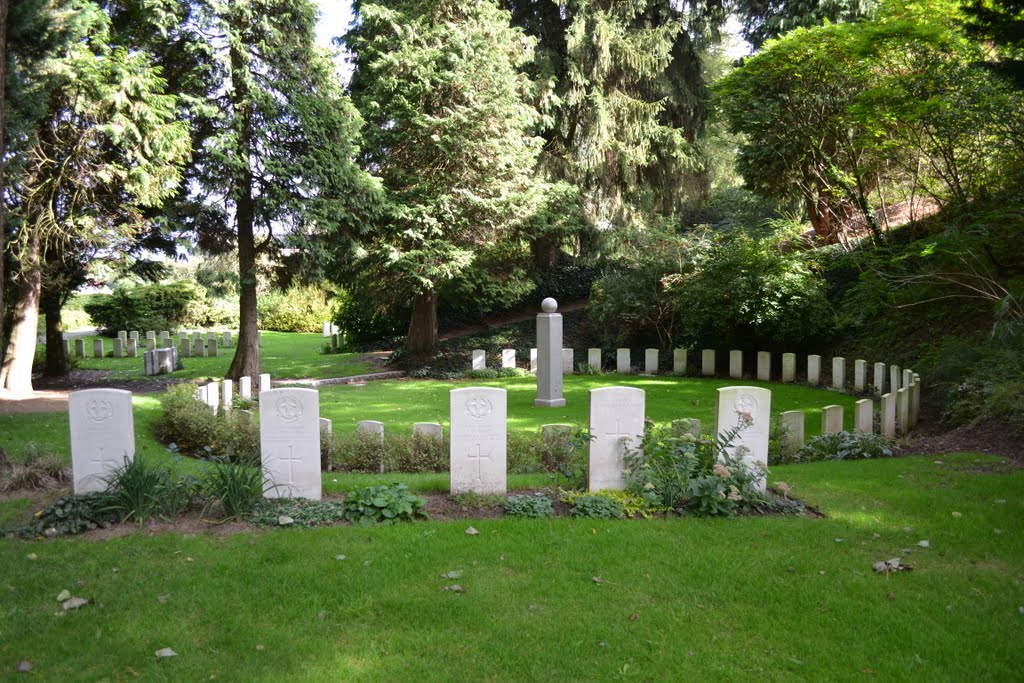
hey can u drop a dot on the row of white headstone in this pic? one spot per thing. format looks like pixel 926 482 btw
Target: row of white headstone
pixel 652 360
pixel 330 329
pixel 220 396
pixel 125 346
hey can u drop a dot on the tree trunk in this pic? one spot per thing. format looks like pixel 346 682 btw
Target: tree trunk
pixel 56 357
pixel 545 252
pixel 246 362
pixel 16 373
pixel 422 337
pixel 4 6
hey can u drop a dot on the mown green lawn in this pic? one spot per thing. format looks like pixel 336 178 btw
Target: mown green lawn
pixel 284 355
pixel 747 599
pixel 400 403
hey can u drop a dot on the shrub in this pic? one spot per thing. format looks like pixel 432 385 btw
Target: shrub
pixel 38 470
pixel 537 506
pixel 151 307
pixel 304 512
pixel 192 428
pixel 383 504
pixel 632 505
pixel 236 487
pixel 846 446
pixel 70 515
pixel 296 309
pixel 358 452
pixel 597 506
pixel 136 489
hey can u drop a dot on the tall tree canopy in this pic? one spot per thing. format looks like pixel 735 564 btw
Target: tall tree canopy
pixel 448 132
pixel 100 144
pixel 277 144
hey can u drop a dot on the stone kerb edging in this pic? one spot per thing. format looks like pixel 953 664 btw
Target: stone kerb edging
pixel 898 408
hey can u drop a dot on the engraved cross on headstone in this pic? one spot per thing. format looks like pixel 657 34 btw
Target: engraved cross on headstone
pixel 479 457
pixel 291 460
pixel 618 433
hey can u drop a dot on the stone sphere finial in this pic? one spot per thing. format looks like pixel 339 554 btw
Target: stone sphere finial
pixel 549 305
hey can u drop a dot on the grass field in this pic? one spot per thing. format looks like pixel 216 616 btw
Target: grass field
pixel 401 403
pixel 284 355
pixel 748 599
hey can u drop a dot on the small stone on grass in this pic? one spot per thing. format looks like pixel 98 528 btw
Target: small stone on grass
pixel 471 531
pixel 73 603
pixel 24 666
pixel 165 653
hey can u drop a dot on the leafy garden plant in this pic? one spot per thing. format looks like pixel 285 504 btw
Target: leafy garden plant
pixel 846 446
pixel 536 506
pixel 383 504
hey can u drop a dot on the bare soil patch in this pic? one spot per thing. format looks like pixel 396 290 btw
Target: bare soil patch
pixel 991 437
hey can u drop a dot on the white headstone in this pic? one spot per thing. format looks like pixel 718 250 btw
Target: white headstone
pixel 123 336
pixel 226 338
pixel 165 339
pixel 616 423
pixel 508 358
pixel 290 443
pixel 831 419
pixel 888 410
pixel 67 347
pixel 197 337
pixel 102 435
pixel 211 347
pixel 533 361
pixel 264 382
pixel 228 394
pixel 568 361
pixel 165 360
pixel 185 349
pixel 860 375
pixel 327 330
pixel 134 334
pixel 864 416
pixel 915 400
pixel 908 377
pixel 133 348
pixel 150 343
pixel 594 359
pixel 118 348
pixel 687 425
pixel 151 334
pixel 749 409
pixel 148 363
pixel 210 336
pixel 879 378
pixel 245 388
pixel 479 360
pixel 903 410
pixel 707 362
pixel 182 337
pixel 788 367
pixel 97 348
pixel 80 348
pixel 839 373
pixel 679 361
pixel 326 427
pixel 198 349
pixel 213 396
pixel 735 364
pixel 793 431
pixel 478 440
pixel 814 370
pixel 623 364
pixel 764 366
pixel 894 378
pixel 651 361
pixel 371 427
pixel 427 430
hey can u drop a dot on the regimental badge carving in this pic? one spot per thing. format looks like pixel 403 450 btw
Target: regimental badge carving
pixel 99 410
pixel 479 407
pixel 290 409
pixel 746 406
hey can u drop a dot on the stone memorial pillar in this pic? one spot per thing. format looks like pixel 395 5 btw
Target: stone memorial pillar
pixel 549 351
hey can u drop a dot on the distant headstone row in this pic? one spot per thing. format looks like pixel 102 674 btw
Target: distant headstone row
pixel 127 344
pixel 878 380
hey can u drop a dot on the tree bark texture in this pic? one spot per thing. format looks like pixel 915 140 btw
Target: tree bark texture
pixel 422 337
pixel 4 6
pixel 16 373
pixel 56 356
pixel 246 362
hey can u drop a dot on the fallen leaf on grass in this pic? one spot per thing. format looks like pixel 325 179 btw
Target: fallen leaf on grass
pixel 165 653
pixel 454 588
pixel 63 595
pixel 285 520
pixel 162 599
pixel 924 544
pixel 597 579
pixel 453 574
pixel 893 565
pixel 24 666
pixel 634 616
pixel 471 531
pixel 74 603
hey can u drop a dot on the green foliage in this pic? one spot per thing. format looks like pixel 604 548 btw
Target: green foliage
pixel 564 456
pixel 596 506
pixel 151 307
pixel 536 506
pixel 727 290
pixel 70 515
pixel 846 446
pixel 237 488
pixel 702 475
pixel 383 504
pixel 304 512
pixel 297 309
pixel 136 489
pixel 192 429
